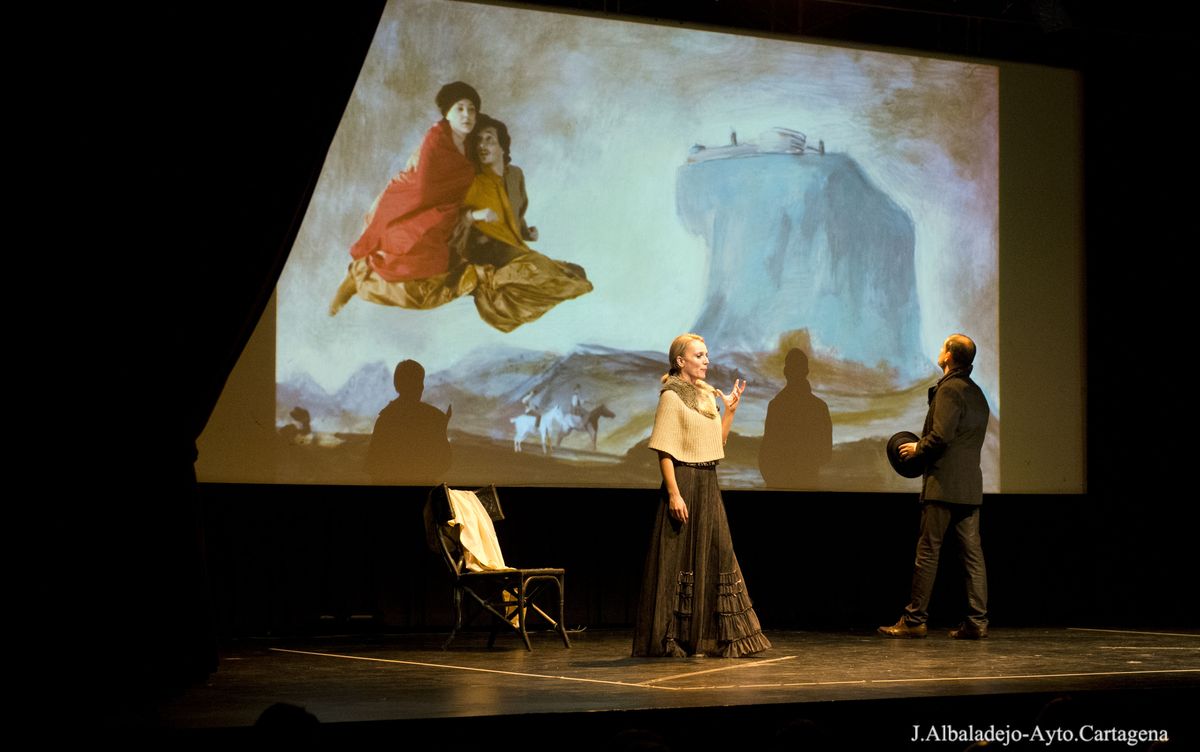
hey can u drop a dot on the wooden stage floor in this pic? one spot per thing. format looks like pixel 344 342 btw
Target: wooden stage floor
pixel 876 688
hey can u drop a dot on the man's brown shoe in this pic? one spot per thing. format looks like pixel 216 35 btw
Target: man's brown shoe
pixel 904 629
pixel 968 631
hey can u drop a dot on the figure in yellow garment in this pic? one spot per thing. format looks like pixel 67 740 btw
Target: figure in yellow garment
pixel 515 284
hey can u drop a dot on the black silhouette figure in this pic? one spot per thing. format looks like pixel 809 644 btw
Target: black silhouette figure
pixel 798 432
pixel 409 444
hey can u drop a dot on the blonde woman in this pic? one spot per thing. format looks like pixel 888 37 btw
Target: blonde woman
pixel 694 600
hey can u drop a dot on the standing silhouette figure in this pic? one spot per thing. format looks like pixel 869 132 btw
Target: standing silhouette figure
pixel 798 432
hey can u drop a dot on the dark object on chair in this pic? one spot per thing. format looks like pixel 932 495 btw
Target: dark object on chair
pixel 488 588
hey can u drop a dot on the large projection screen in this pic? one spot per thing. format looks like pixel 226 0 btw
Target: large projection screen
pixel 823 216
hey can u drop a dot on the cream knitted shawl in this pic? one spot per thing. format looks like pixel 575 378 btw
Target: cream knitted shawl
pixel 687 425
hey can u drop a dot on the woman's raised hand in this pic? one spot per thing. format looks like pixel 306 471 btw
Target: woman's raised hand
pixel 734 398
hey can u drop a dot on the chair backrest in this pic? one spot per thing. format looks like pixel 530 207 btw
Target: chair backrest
pixel 437 533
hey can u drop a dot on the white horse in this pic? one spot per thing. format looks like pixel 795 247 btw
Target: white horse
pixel 523 425
pixel 550 421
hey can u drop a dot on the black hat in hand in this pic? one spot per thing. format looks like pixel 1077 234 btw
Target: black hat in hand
pixel 913 467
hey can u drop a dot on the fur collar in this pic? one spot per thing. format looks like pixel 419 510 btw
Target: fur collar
pixel 698 397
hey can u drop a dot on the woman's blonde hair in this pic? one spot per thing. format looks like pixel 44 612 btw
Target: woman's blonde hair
pixel 678 348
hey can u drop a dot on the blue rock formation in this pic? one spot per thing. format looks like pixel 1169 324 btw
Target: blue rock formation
pixel 804 242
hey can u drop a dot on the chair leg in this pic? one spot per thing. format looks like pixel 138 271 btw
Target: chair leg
pixel 458 617
pixel 562 627
pixel 558 624
pixel 521 614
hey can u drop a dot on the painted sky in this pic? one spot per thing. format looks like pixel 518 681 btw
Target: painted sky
pixel 602 114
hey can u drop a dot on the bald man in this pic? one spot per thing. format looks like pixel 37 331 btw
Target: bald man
pixel 951 491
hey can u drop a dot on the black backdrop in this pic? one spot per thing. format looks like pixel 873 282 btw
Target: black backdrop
pixel 202 136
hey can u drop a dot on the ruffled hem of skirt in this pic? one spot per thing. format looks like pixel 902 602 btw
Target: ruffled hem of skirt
pixel 749 645
pixel 738 630
pixel 671 649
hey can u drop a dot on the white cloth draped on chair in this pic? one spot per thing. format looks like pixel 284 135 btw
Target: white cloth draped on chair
pixel 476 534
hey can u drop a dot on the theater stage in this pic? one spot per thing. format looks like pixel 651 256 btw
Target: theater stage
pixel 852 685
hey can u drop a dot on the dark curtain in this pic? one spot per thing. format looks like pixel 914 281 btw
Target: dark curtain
pixel 201 133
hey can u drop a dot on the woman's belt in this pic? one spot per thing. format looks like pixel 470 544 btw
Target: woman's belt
pixel 710 463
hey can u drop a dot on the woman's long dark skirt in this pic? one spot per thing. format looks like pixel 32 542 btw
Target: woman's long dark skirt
pixel 694 600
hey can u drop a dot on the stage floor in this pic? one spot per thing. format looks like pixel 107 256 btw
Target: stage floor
pixel 389 678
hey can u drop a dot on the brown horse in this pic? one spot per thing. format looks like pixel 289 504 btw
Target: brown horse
pixel 591 423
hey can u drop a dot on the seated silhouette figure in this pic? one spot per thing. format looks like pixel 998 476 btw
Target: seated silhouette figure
pixel 409 444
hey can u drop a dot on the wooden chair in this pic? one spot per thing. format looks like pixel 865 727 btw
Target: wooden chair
pixel 509 595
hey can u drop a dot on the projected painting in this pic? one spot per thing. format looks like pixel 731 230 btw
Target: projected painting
pixel 824 217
